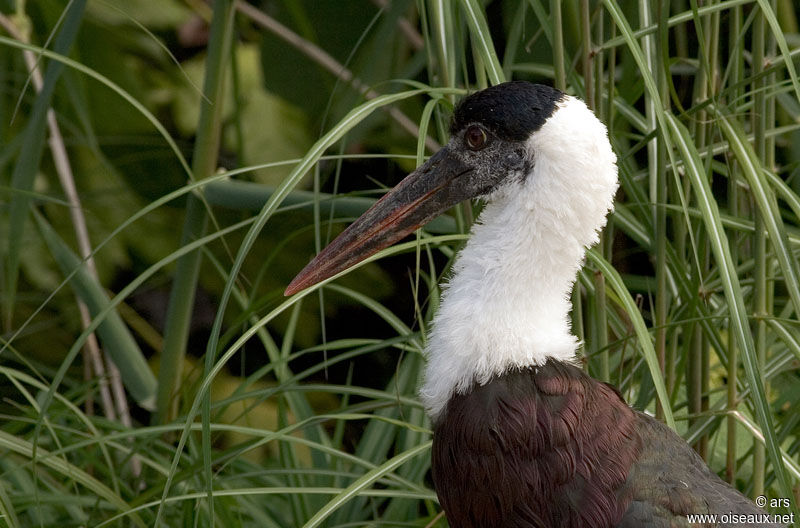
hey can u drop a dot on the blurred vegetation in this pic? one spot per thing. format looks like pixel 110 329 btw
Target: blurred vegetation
pixel 167 167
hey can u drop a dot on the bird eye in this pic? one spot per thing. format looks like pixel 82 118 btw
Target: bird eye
pixel 475 137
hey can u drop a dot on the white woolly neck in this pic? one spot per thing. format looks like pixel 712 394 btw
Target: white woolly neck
pixel 507 303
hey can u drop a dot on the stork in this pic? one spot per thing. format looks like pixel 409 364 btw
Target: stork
pixel 522 436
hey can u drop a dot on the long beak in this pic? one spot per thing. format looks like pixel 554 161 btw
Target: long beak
pixel 421 196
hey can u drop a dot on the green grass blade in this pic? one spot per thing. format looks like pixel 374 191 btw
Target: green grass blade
pixel 181 302
pixel 780 39
pixel 479 30
pixel 733 294
pixel 243 195
pixel 69 358
pixel 765 199
pixel 31 154
pixel 105 81
pixel 789 337
pixel 645 340
pixel 791 465
pixel 354 117
pixel 13 444
pixel 364 482
pixel 642 62
pixel 115 336
pixel 7 512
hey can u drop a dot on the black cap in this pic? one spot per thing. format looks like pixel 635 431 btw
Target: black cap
pixel 511 110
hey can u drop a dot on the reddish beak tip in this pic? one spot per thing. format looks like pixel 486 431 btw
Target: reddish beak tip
pixel 293 287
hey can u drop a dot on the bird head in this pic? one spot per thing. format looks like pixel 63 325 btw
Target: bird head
pixel 491 150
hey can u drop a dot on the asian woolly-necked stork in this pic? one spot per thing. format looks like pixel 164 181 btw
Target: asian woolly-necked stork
pixel 523 437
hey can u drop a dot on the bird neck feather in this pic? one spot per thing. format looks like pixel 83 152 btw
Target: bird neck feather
pixel 508 300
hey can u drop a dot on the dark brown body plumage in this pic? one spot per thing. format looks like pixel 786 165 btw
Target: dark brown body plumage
pixel 552 447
